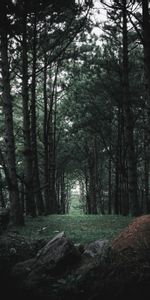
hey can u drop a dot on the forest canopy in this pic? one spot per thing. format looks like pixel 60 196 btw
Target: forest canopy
pixel 74 106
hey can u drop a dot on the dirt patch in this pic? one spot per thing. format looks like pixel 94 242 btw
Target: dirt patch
pixel 136 236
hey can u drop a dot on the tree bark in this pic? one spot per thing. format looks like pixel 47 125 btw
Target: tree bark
pixel 63 196
pixel 110 163
pixel 88 202
pixel 131 156
pixel 52 175
pixel 146 203
pixel 28 166
pixel 51 127
pixel 46 142
pixel 92 180
pixel 16 213
pixel 146 46
pixel 36 179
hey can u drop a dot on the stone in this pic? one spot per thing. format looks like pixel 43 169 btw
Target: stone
pixel 80 247
pixel 58 255
pixel 99 247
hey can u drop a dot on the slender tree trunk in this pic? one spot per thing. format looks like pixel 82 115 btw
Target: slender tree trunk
pixel 146 203
pixel 118 167
pixel 28 170
pixel 82 193
pixel 121 202
pixel 36 179
pixel 146 45
pixel 16 213
pixel 110 186
pixel 116 199
pixel 97 184
pixel 146 39
pixel 110 164
pixel 51 127
pixel 63 196
pixel 88 202
pixel 52 167
pixel 92 181
pixel 46 142
pixel 58 193
pixel 124 192
pixel 55 144
pixel 131 156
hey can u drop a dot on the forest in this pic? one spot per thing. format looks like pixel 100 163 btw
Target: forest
pixel 74 105
pixel 75 149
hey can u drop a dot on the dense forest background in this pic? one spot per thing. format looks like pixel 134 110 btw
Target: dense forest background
pixel 74 106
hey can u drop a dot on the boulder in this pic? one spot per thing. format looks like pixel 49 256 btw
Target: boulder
pixel 57 256
pixel 99 247
pixel 135 237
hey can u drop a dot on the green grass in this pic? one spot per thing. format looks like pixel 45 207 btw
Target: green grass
pixel 79 228
pixel 75 207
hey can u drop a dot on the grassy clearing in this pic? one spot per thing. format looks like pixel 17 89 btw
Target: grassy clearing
pixel 80 228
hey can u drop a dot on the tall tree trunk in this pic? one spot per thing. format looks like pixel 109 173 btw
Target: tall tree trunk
pixel 36 179
pixel 146 203
pixel 63 196
pixel 131 156
pixel 121 201
pixel 92 180
pixel 110 163
pixel 110 185
pixel 97 184
pixel 88 202
pixel 124 193
pixel 46 142
pixel 117 198
pixel 146 40
pixel 52 166
pixel 51 127
pixel 16 213
pixel 28 168
pixel 146 45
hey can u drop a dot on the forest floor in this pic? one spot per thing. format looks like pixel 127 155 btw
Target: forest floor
pixel 79 228
pixel 116 277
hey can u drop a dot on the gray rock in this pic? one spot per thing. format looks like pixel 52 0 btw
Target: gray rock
pixel 54 258
pixel 97 248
